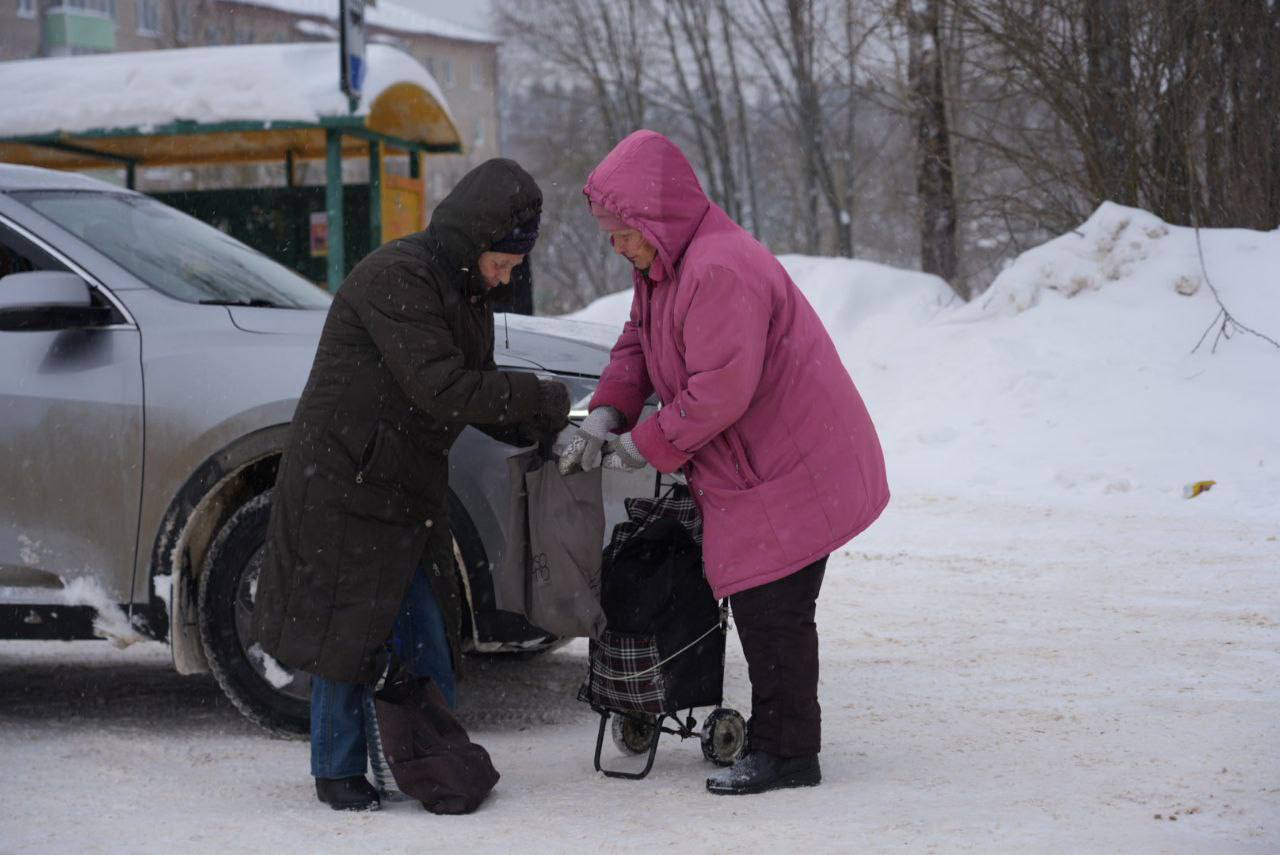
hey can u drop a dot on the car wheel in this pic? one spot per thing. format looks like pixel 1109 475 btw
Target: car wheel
pixel 269 694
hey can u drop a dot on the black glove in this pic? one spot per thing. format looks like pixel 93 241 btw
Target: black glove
pixel 553 408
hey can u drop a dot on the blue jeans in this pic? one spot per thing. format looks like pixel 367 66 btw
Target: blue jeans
pixel 338 709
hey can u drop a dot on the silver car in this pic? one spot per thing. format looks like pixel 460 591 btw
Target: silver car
pixel 149 367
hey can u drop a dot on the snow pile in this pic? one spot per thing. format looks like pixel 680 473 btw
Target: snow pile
pixel 110 622
pixel 613 309
pixel 845 292
pixel 1149 259
pixel 1074 373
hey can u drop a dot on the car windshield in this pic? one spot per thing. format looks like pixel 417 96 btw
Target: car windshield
pixel 176 254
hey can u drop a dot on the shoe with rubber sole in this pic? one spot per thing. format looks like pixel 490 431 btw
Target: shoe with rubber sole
pixel 354 793
pixel 760 772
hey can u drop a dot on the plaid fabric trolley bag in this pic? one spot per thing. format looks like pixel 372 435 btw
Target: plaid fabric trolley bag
pixel 662 650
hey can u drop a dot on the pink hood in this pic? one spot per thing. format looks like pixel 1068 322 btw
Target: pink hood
pixel 647 181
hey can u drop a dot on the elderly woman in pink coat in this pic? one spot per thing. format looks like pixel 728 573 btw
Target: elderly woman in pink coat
pixel 760 416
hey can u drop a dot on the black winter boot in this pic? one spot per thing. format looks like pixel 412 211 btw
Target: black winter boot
pixel 759 772
pixel 354 793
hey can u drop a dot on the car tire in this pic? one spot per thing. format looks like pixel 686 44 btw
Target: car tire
pixel 267 693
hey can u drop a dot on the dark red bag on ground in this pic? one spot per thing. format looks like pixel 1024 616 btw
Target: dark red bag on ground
pixel 430 755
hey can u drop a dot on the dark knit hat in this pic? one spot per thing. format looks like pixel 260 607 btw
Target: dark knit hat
pixel 520 240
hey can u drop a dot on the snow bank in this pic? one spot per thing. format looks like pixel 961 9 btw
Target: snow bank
pixel 1074 373
pixel 612 309
pixel 845 292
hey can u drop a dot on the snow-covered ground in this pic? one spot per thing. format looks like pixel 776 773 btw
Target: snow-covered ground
pixel 996 677
pixel 1042 646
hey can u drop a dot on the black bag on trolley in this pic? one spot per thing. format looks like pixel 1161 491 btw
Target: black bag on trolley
pixel 663 645
pixel 662 648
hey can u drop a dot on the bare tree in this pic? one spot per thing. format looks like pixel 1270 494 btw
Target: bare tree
pixel 700 95
pixel 1108 85
pixel 605 44
pixel 1242 123
pixel 1155 103
pixel 785 45
pixel 751 201
pixel 934 172
pixel 844 154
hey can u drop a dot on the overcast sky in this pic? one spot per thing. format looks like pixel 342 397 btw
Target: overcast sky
pixel 472 13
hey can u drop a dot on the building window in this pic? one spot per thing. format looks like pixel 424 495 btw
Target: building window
pixel 148 17
pixel 106 8
pixel 479 76
pixel 26 8
pixel 212 35
pixel 480 132
pixel 446 72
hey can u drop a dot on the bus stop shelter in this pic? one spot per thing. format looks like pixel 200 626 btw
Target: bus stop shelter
pixel 237 105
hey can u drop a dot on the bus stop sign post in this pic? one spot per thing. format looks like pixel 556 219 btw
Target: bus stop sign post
pixel 353 39
pixel 351 46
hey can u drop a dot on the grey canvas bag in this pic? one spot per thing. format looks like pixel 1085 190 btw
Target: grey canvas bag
pixel 550 570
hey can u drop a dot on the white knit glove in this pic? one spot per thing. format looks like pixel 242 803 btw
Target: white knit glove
pixel 584 449
pixel 624 455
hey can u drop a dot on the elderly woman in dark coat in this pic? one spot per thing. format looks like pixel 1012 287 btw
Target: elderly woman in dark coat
pixel 359 540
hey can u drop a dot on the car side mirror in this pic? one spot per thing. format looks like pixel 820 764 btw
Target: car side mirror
pixel 48 300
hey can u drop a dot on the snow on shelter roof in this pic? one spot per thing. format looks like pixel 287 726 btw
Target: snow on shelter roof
pixel 215 104
pixel 385 15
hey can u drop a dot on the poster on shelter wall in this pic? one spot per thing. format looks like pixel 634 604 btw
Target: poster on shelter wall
pixel 319 234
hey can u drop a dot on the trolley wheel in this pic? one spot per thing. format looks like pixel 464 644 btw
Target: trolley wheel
pixel 724 736
pixel 633 733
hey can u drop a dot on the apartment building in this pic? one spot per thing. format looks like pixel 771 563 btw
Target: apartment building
pixel 463 61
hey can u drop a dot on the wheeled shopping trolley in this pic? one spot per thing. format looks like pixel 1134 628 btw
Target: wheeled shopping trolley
pixel 663 650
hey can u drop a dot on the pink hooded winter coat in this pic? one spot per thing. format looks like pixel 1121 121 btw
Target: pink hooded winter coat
pixel 758 409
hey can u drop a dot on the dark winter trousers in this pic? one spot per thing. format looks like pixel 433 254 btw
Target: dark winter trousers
pixel 338 710
pixel 780 640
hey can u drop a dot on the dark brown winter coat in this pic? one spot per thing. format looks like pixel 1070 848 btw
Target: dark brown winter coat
pixel 405 362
